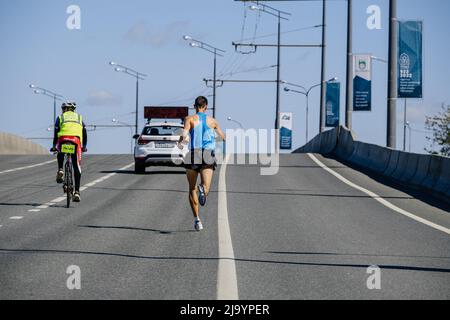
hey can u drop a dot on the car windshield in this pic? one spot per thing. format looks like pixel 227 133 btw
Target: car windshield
pixel 162 131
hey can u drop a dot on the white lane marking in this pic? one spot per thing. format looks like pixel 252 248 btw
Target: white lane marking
pixel 16 218
pixel 380 199
pixel 227 288
pixel 27 167
pixel 85 187
pixel 34 210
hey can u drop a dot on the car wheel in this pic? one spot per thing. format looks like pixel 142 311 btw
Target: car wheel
pixel 139 167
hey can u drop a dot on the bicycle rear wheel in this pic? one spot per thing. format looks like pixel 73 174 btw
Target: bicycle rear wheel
pixel 69 183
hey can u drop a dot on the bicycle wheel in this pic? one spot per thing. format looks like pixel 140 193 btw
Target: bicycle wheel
pixel 68 178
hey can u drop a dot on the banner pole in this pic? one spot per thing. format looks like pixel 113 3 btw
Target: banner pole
pixel 404 126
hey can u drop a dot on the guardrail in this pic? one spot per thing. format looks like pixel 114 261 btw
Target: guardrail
pixel 425 173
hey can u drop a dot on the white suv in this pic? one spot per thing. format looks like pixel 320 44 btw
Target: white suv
pixel 157 146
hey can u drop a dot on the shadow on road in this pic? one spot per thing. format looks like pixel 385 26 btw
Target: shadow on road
pixel 131 172
pixel 165 232
pixel 140 189
pixel 309 194
pixel 351 255
pixel 20 204
pixel 160 258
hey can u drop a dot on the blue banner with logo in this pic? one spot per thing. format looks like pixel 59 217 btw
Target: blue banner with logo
pixel 362 82
pixel 286 130
pixel 410 60
pixel 333 104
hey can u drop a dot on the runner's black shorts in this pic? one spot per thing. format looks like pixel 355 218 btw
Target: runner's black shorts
pixel 199 159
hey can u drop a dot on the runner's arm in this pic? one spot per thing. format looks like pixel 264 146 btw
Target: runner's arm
pixel 184 139
pixel 219 131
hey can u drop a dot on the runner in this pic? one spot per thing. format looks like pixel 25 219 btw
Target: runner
pixel 199 133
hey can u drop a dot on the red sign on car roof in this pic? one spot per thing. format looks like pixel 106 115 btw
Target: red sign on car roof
pixel 166 112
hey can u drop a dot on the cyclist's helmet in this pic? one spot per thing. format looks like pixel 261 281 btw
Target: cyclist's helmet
pixel 68 106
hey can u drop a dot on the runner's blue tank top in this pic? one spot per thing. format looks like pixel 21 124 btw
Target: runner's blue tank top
pixel 202 136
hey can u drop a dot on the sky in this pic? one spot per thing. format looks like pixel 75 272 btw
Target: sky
pixel 146 35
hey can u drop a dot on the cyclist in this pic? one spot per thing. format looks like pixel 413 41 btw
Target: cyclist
pixel 69 127
pixel 199 132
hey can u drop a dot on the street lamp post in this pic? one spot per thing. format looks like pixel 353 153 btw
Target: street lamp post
pixel 279 15
pixel 138 76
pixel 306 93
pixel 126 125
pixel 243 147
pixel 48 93
pixel 408 124
pixel 216 52
pixel 237 122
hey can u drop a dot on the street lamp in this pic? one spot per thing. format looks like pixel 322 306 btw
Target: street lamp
pixel 135 74
pixel 217 52
pixel 237 122
pixel 306 93
pixel 243 147
pixel 126 125
pixel 48 93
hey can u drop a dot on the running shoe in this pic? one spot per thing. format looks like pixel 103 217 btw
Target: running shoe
pixel 201 195
pixel 60 176
pixel 198 225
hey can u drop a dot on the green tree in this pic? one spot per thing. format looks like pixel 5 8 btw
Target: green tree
pixel 439 125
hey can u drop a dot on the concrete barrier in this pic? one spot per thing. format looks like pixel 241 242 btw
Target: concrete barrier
pixel 434 171
pixel 393 162
pixel 443 182
pixel 411 167
pixel 329 141
pixel 401 166
pixel 422 172
pixel 14 145
pixel 345 147
pixel 378 158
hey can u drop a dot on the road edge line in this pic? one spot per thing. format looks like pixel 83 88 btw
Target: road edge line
pixel 379 198
pixel 227 288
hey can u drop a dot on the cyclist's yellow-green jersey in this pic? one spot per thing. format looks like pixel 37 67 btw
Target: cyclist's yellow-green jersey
pixel 71 124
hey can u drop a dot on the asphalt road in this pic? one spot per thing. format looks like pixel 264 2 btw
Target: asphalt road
pixel 301 234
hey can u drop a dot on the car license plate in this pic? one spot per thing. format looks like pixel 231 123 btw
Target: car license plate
pixel 164 145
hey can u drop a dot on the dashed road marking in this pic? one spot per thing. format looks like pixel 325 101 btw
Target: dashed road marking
pixel 16 218
pixel 83 188
pixel 27 167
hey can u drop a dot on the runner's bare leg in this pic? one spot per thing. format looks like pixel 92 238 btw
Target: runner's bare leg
pixel 206 177
pixel 192 176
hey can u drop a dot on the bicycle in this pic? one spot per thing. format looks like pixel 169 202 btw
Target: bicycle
pixel 68 149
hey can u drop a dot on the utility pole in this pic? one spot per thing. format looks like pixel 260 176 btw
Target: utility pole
pixel 349 97
pixel 323 72
pixel 277 120
pixel 391 133
pixel 215 83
